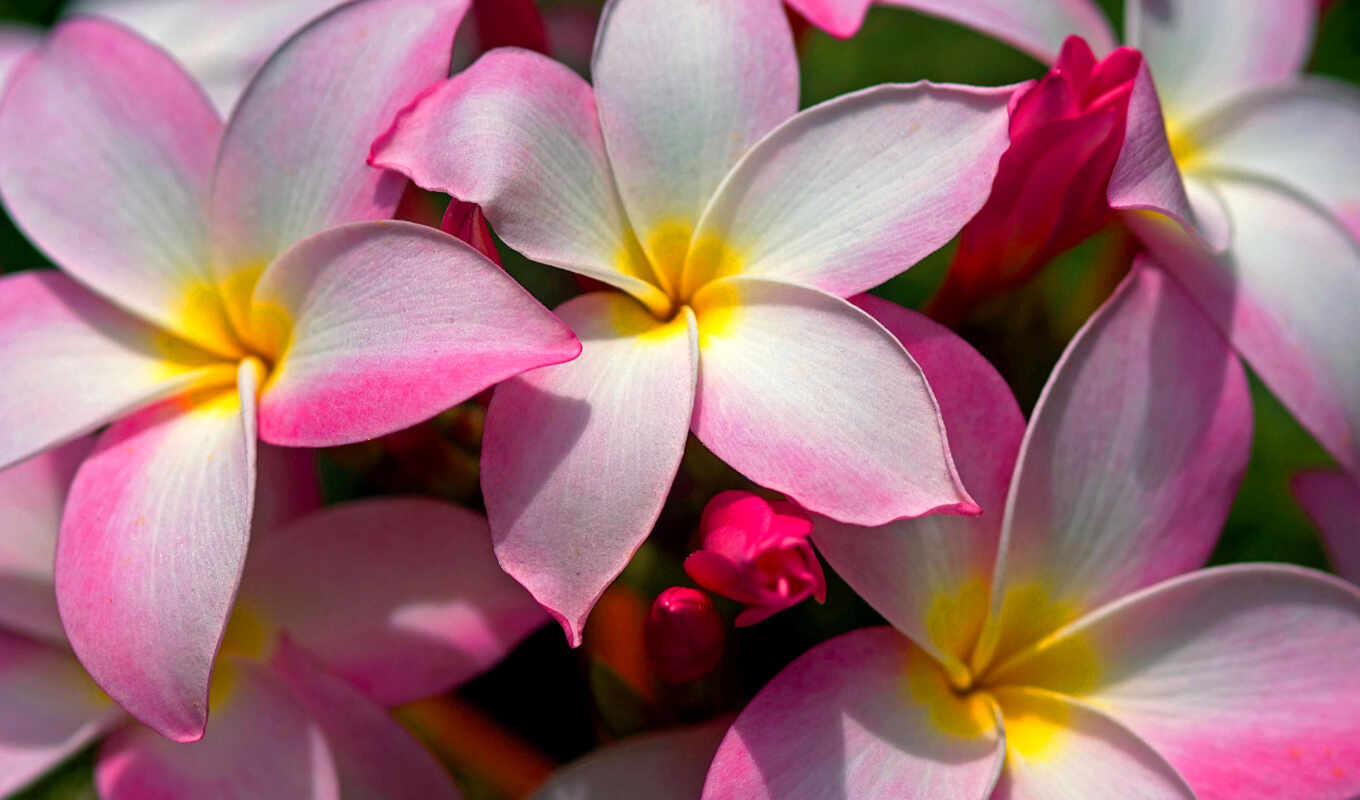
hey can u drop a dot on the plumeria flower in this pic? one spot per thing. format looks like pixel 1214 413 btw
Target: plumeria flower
pixel 663 765
pixel 222 287
pixel 1069 647
pixel 297 699
pixel 1233 167
pixel 732 229
pixel 757 553
pixel 1332 500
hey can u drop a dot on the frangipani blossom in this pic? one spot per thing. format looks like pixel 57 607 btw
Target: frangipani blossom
pixel 1068 647
pixel 297 699
pixel 734 229
pixel 662 765
pixel 222 287
pixel 1332 500
pixel 1238 171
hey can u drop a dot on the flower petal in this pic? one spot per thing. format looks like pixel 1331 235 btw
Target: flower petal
pixel 384 324
pixel 73 362
pixel 1332 500
pixel 1291 318
pixel 292 161
pixel 263 745
pixel 929 576
pixel 1131 461
pixel 684 88
pixel 52 709
pixel 106 152
pixel 375 758
pixel 664 765
pixel 849 193
pixel 517 133
pixel 16 41
pixel 856 439
pixel 1057 749
pixel 425 607
pixel 1301 134
pixel 1036 27
pixel 151 550
pixel 1249 48
pixel 840 18
pixel 866 716
pixel 578 458
pixel 1145 175
pixel 1243 677
pixel 32 495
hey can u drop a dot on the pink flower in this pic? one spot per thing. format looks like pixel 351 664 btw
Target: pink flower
pixel 731 229
pixel 1233 164
pixel 684 635
pixel 222 287
pixel 342 612
pixel 757 553
pixel 1069 647
pixel 1332 500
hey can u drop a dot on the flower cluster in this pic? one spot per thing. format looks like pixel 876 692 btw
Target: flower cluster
pixel 313 282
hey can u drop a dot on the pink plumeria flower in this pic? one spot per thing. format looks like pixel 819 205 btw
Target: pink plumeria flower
pixel 1332 500
pixel 342 612
pixel 733 229
pixel 1068 647
pixel 206 307
pixel 662 765
pixel 757 553
pixel 1233 165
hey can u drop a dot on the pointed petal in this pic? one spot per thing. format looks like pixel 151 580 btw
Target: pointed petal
pixel 292 161
pixel 859 440
pixel 1301 134
pixel 517 134
pixel 1145 175
pixel 840 18
pixel 1250 46
pixel 1136 449
pixel 1036 27
pixel 375 758
pixel 52 709
pixel 1332 500
pixel 866 716
pixel 578 458
pixel 1243 677
pixel 32 495
pixel 385 324
pixel 664 765
pixel 929 576
pixel 1290 318
pixel 1058 749
pixel 106 151
pixel 73 362
pixel 424 604
pixel 263 745
pixel 684 88
pixel 849 193
pixel 151 550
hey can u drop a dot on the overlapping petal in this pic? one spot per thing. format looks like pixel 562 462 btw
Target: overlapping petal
pixel 1036 27
pixel 1251 46
pixel 421 603
pixel 866 716
pixel 106 152
pixel 852 192
pixel 1332 500
pixel 665 765
pixel 929 576
pixel 781 399
pixel 151 550
pixel 292 161
pixel 1129 465
pixel 1145 176
pixel 518 134
pixel 578 458
pixel 684 88
pixel 380 325
pixel 73 362
pixel 1242 677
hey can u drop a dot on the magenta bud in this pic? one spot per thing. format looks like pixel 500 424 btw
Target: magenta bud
pixel 684 635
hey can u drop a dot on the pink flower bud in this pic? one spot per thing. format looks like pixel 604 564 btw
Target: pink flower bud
pixel 684 635
pixel 1049 192
pixel 757 553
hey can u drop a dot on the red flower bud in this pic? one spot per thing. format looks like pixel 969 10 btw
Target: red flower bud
pixel 684 635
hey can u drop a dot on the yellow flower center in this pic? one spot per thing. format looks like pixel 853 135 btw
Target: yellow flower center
pixel 682 271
